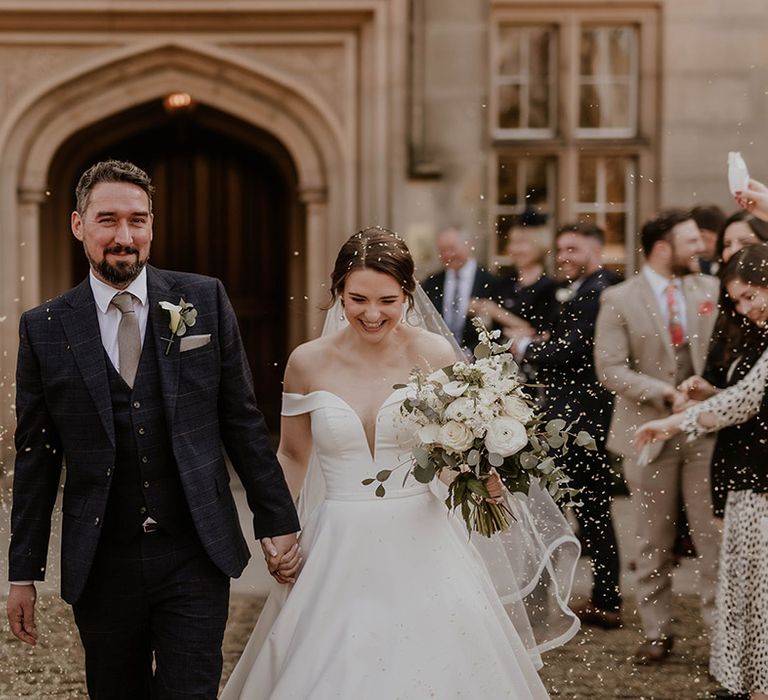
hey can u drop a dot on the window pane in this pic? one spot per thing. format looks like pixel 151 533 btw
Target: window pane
pixel 525 77
pixel 539 106
pixel 615 228
pixel 587 179
pixel 606 197
pixel 589 108
pixel 509 51
pixel 539 48
pixel 507 181
pixel 525 192
pixel 608 82
pixel 509 107
pixel 589 52
pixel 620 48
pixel 616 180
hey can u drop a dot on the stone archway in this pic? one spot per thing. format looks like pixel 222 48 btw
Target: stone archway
pixel 308 131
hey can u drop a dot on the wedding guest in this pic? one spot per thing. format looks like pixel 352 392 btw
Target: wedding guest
pixel 709 218
pixel 562 357
pixel 652 333
pixel 739 647
pixel 739 230
pixel 528 292
pixel 735 346
pixel 451 290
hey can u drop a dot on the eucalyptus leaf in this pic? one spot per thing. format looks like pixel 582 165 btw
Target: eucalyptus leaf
pixel 555 426
pixel 473 458
pixel 584 439
pixel 555 441
pixel 482 351
pixel 547 466
pixel 368 482
pixel 495 460
pixel 384 474
pixel 421 456
pixel 380 491
pixel 424 474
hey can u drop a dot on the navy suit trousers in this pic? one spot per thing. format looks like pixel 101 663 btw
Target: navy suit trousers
pixel 152 619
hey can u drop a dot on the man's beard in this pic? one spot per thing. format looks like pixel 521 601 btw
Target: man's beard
pixel 121 273
pixel 682 268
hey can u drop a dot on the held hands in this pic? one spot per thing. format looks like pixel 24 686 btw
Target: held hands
pixel 661 429
pixel 754 199
pixel 696 389
pixel 21 612
pixel 283 556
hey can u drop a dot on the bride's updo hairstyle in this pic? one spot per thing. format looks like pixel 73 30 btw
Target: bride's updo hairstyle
pixel 379 249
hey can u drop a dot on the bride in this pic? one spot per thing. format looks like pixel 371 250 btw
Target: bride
pixel 392 601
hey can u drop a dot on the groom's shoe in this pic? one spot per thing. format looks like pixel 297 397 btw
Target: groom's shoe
pixel 596 617
pixel 653 651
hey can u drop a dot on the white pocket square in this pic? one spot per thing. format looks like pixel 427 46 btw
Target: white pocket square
pixel 190 342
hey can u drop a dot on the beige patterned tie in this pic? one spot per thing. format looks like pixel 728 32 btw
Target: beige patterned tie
pixel 128 337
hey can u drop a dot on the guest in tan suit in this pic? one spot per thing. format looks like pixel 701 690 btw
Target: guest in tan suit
pixel 652 333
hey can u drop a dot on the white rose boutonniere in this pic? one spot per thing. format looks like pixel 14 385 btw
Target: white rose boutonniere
pixel 183 315
pixel 564 295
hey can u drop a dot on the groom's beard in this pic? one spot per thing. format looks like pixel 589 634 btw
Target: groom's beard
pixel 122 272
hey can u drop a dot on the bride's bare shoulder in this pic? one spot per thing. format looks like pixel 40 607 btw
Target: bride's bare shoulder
pixel 432 349
pixel 303 361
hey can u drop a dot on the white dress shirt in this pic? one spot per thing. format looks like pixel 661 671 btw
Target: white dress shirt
pixel 109 316
pixel 460 280
pixel 659 285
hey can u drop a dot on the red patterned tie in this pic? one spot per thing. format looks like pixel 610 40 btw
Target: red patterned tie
pixel 675 327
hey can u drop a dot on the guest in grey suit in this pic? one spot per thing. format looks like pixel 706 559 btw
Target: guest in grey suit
pixel 136 378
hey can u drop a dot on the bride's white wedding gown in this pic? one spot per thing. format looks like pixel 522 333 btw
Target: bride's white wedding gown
pixel 392 601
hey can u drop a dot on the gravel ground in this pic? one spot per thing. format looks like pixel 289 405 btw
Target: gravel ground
pixel 594 665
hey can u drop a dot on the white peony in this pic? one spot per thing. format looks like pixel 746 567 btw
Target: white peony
pixel 516 408
pixel 455 437
pixel 460 409
pixel 505 436
pixel 429 433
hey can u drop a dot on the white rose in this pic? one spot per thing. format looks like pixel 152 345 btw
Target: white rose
pixel 516 408
pixel 429 433
pixel 455 388
pixel 505 436
pixel 455 437
pixel 460 409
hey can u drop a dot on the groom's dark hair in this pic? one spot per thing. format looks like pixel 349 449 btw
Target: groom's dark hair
pixel 111 171
pixel 379 249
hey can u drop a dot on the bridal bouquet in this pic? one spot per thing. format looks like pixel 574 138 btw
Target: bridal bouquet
pixel 476 419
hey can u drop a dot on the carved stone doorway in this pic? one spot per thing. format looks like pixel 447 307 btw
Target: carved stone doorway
pixel 226 205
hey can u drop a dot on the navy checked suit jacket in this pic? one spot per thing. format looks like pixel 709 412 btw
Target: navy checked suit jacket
pixel 64 411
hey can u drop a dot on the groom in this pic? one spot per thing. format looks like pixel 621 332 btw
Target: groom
pixel 137 396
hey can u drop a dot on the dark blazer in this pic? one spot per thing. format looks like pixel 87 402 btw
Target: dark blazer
pixel 484 286
pixel 64 411
pixel 533 303
pixel 740 454
pixel 565 364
